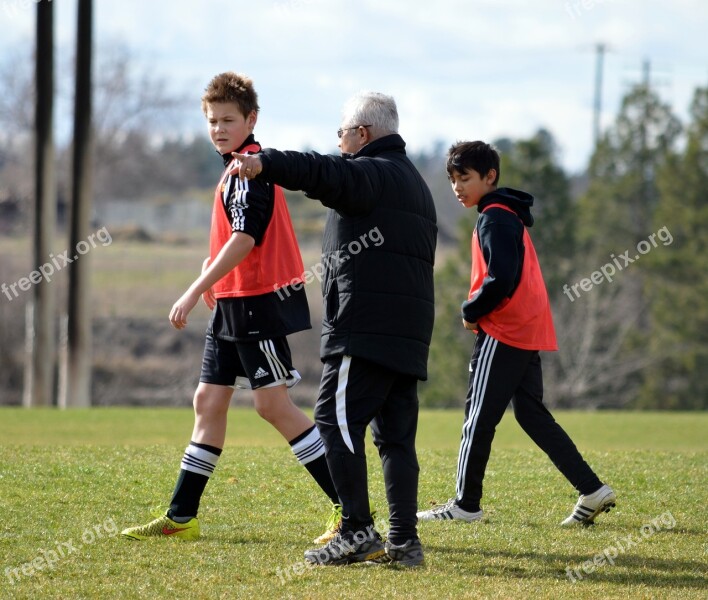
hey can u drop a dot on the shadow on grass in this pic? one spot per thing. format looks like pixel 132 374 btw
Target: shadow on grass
pixel 628 568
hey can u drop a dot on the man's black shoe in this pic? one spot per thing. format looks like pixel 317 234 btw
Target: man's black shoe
pixel 409 554
pixel 349 547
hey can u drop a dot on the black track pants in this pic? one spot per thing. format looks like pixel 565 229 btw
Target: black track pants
pixel 353 394
pixel 500 373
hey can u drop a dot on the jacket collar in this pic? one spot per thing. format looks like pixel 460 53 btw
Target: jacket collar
pixel 387 143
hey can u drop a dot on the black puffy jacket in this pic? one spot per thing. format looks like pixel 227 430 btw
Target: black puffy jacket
pixel 378 250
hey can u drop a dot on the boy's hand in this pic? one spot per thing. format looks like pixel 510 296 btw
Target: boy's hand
pixel 250 166
pixel 208 296
pixel 182 308
pixel 469 326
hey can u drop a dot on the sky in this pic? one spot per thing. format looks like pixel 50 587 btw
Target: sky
pixel 458 69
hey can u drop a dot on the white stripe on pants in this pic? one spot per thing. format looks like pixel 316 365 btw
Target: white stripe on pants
pixel 479 386
pixel 341 401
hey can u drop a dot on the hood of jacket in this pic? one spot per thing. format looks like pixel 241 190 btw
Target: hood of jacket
pixel 520 202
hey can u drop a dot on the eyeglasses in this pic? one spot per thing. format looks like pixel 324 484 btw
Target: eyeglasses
pixel 340 132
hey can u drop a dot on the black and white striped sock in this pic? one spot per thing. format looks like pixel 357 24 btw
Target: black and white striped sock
pixel 198 464
pixel 309 450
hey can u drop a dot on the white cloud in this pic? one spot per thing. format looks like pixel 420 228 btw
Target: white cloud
pixel 457 68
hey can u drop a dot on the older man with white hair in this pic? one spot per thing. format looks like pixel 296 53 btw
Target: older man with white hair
pixel 378 251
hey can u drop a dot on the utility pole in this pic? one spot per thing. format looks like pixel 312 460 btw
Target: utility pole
pixel 40 329
pixel 646 200
pixel 646 70
pixel 597 107
pixel 76 370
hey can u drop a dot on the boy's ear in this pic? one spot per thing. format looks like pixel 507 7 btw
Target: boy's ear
pixel 491 176
pixel 251 119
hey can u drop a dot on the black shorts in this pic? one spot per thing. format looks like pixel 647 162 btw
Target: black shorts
pixel 248 365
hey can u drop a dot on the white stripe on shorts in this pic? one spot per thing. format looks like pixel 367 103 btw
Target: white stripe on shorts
pixel 276 366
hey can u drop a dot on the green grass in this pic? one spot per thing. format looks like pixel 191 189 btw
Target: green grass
pixel 129 278
pixel 70 480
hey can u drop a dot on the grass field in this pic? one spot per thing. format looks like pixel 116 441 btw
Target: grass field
pixel 129 278
pixel 69 481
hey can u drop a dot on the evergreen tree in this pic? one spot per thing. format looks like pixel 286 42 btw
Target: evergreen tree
pixel 608 318
pixel 676 273
pixel 616 212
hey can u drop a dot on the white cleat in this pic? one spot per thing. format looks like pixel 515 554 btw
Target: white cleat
pixel 449 512
pixel 588 507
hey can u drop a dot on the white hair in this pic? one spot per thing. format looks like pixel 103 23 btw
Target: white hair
pixel 374 109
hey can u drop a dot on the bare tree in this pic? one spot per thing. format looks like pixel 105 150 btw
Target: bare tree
pixel 598 365
pixel 131 104
pixel 16 99
pixel 17 121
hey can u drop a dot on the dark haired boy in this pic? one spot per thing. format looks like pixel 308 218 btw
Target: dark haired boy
pixel 253 253
pixel 508 308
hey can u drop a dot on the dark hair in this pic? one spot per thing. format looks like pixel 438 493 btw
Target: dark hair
pixel 231 87
pixel 479 156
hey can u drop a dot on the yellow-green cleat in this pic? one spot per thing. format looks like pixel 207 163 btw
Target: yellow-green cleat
pixel 163 526
pixel 334 524
pixel 333 527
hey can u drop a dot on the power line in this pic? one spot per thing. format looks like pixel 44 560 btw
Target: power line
pixel 600 49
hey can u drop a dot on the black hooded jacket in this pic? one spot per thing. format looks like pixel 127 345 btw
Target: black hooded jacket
pixel 500 235
pixel 378 250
